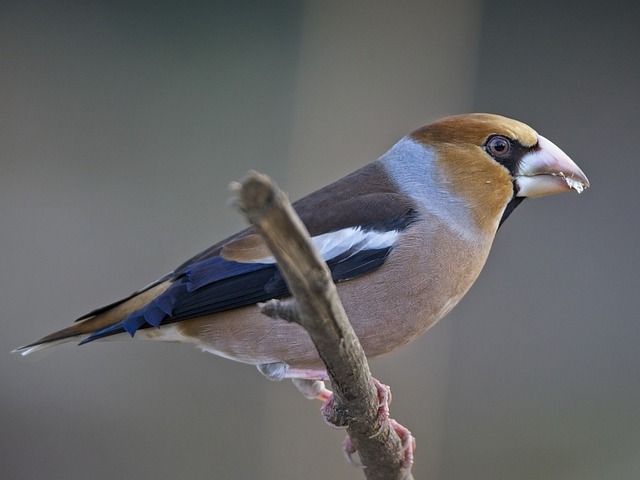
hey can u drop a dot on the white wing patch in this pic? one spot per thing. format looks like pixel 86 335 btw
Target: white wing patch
pixel 330 245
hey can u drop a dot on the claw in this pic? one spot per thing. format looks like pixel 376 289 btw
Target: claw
pixel 408 443
pixel 384 399
pixel 326 410
pixel 408 446
pixel 349 449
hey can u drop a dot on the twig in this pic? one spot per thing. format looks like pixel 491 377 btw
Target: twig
pixel 318 309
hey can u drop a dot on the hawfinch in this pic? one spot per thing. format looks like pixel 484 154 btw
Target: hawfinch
pixel 405 237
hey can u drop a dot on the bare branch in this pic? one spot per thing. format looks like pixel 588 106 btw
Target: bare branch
pixel 319 310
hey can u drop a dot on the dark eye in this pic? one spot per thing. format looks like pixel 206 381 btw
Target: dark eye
pixel 499 146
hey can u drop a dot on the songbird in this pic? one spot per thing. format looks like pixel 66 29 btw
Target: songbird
pixel 405 237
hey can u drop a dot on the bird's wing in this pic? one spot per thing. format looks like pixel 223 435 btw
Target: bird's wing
pixel 353 233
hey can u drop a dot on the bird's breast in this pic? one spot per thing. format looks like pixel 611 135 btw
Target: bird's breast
pixel 425 276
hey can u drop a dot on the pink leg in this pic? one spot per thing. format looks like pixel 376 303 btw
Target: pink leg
pixel 312 389
pixel 309 382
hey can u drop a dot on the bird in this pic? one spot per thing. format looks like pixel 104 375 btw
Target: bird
pixel 405 237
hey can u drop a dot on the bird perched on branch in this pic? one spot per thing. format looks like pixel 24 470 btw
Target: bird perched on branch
pixel 405 237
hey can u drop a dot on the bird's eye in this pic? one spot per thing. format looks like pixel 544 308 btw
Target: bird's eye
pixel 499 146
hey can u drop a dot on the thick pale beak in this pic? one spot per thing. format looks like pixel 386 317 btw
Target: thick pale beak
pixel 548 170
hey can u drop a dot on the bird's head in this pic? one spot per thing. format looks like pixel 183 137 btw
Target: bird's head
pixel 494 162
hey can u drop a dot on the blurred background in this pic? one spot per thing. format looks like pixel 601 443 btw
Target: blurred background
pixel 121 125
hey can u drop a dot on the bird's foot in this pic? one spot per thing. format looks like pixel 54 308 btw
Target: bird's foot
pixel 408 446
pixel 384 398
pixel 349 448
pixel 311 384
pixel 408 443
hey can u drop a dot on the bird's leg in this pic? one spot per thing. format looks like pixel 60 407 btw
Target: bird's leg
pixel 312 389
pixel 308 382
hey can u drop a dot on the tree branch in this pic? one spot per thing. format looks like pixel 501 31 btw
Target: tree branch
pixel 318 309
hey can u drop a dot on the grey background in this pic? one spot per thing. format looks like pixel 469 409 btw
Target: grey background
pixel 121 126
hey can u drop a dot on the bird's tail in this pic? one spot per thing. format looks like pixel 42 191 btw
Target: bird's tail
pixel 97 320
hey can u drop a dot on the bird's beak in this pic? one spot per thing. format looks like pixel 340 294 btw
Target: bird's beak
pixel 548 170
